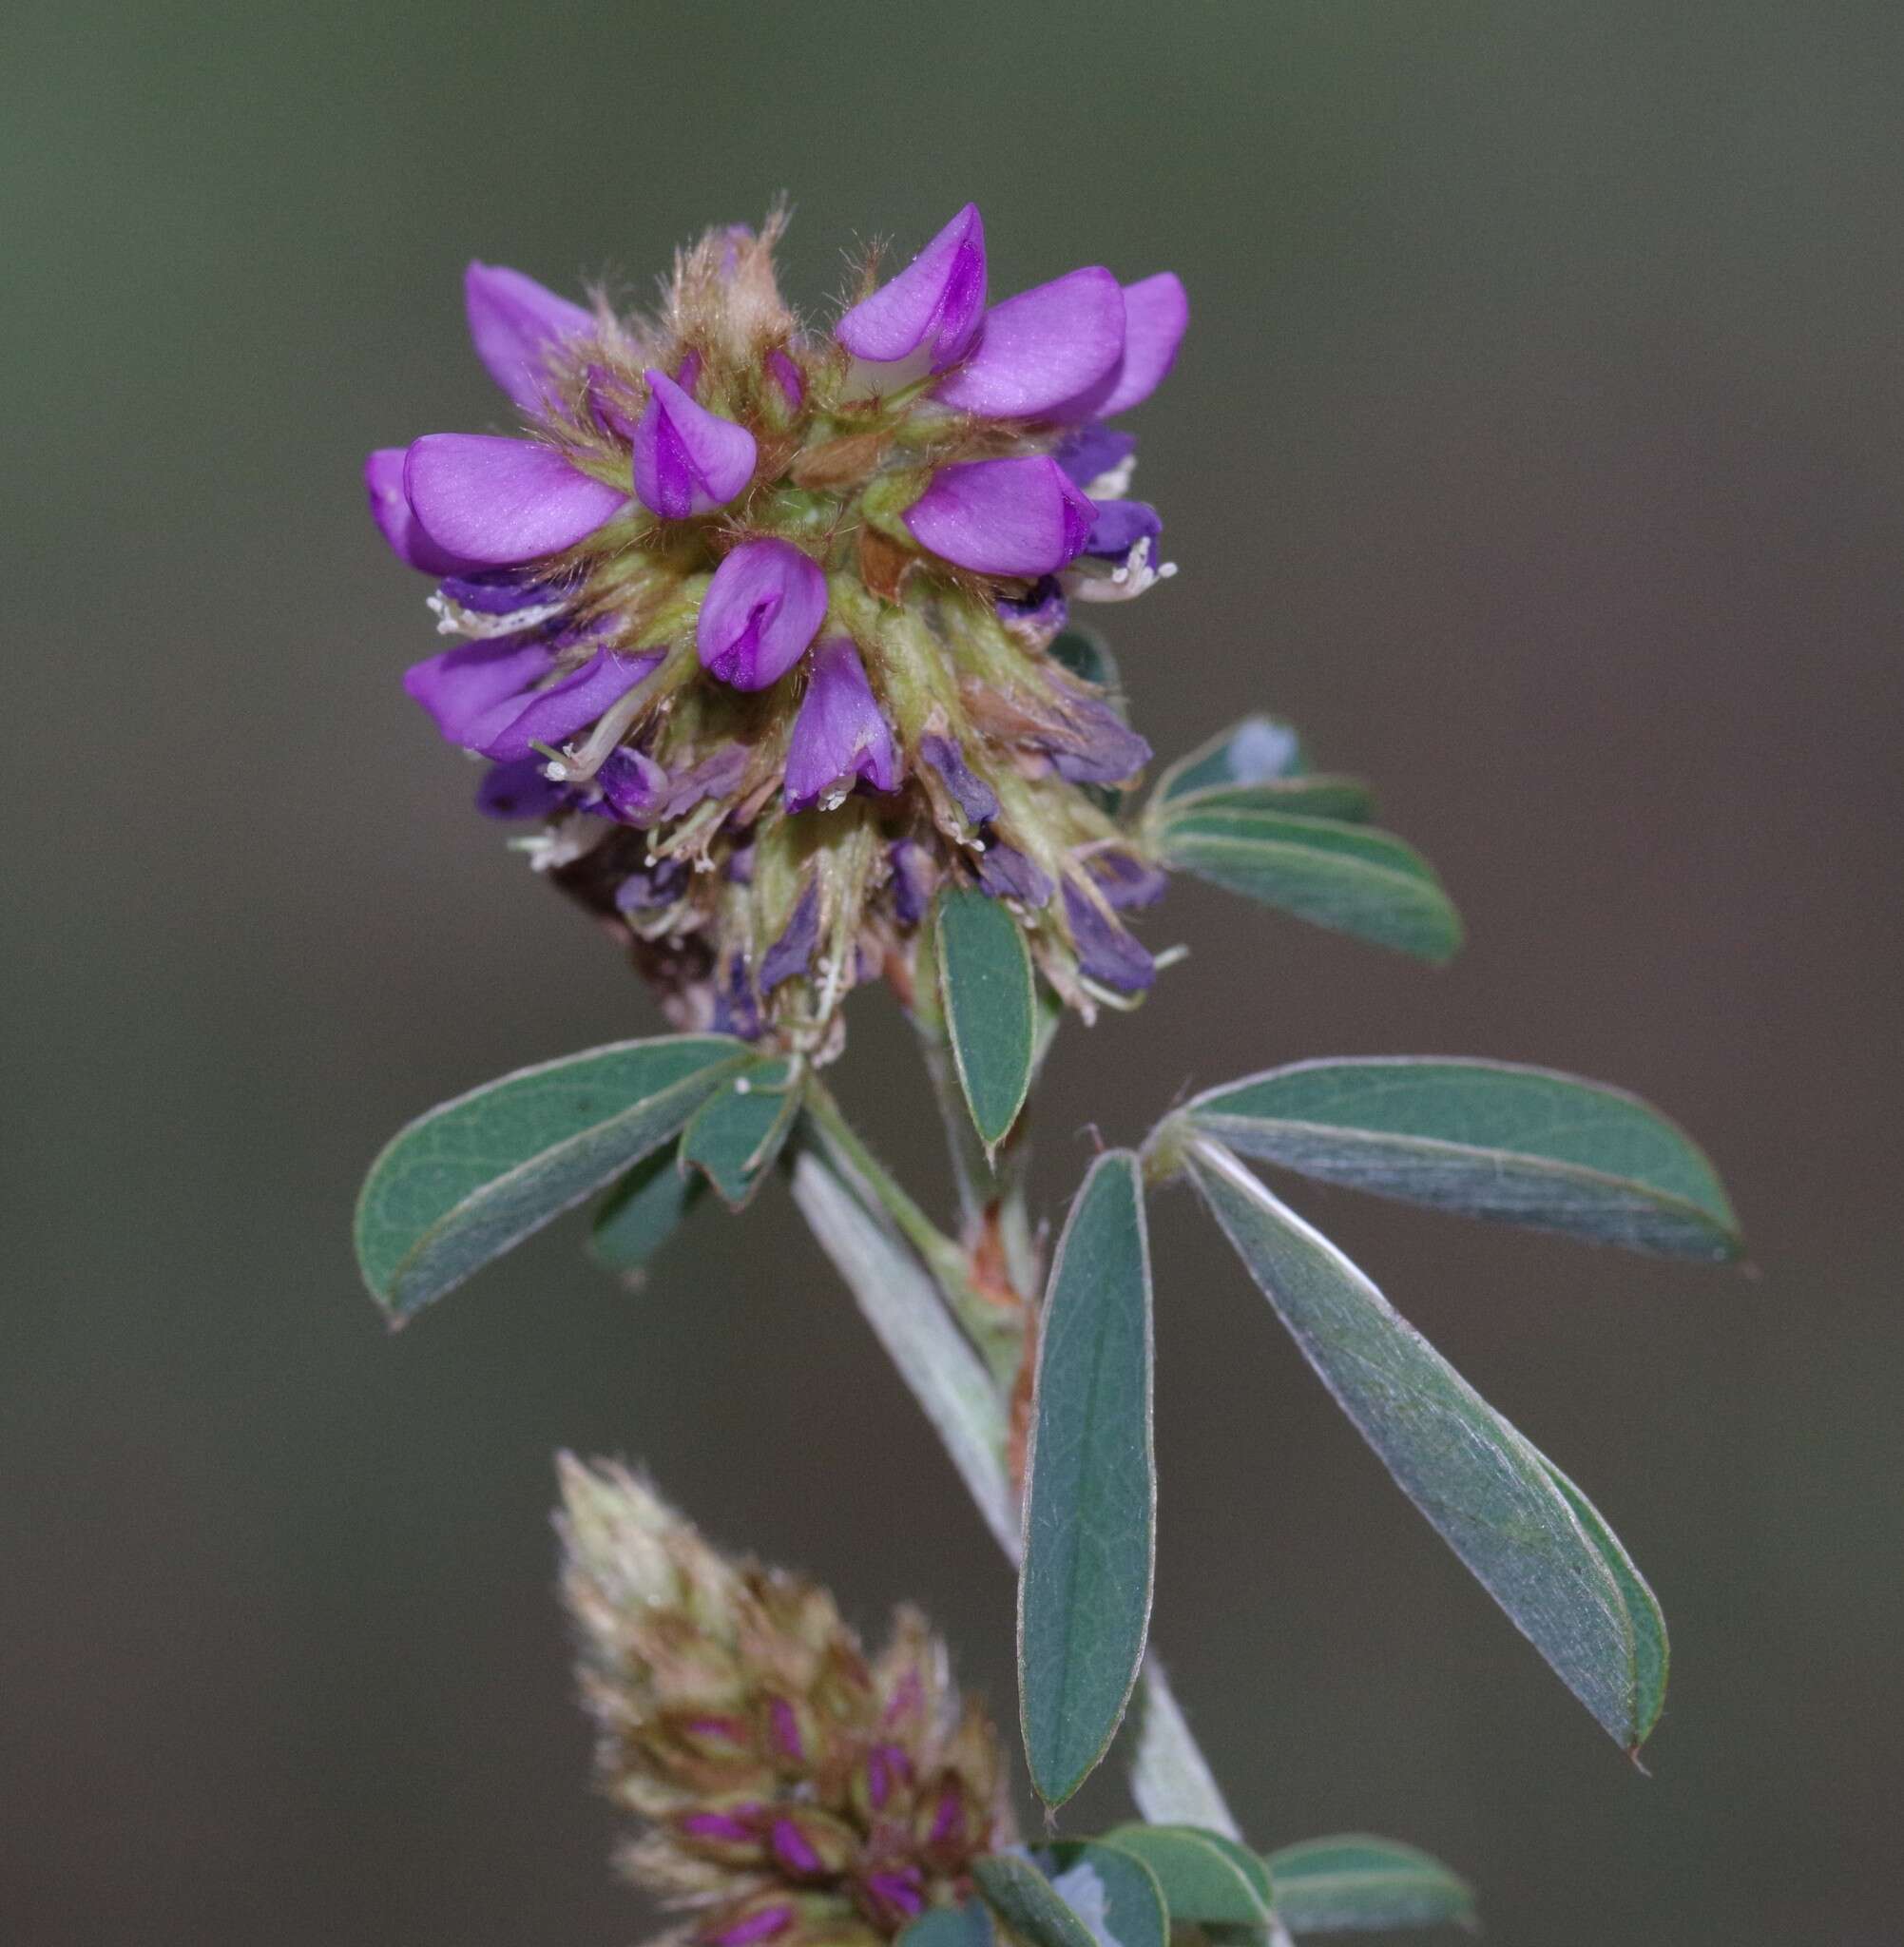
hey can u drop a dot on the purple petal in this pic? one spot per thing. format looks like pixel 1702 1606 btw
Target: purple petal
pixel 610 405
pixel 687 460
pixel 1094 451
pixel 522 789
pixel 898 1894
pixel 736 1009
pixel 1105 952
pixel 570 705
pixel 792 954
pixel 390 509
pixel 1042 348
pixel 768 1920
pixel 793 1848
pixel 653 887
pixel 937 302
pixel 1121 525
pixel 786 374
pixel 500 592
pixel 1042 609
pixel 975 797
pixel 515 324
pixel 1156 311
pixel 713 776
pixel 1098 746
pixel 461 685
pixel 911 880
pixel 839 734
pixel 718 1826
pixel 764 607
pixel 500 501
pixel 1007 873
pixel 1126 881
pixel 1019 517
pixel 633 786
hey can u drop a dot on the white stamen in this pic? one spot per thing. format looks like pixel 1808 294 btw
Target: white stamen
pixel 1124 583
pixel 454 619
pixel 1113 484
pixel 607 733
pixel 564 842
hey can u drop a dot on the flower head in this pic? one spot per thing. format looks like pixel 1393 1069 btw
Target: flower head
pixel 756 624
pixel 793 1789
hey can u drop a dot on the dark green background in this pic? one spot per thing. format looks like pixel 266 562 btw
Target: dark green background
pixel 1535 446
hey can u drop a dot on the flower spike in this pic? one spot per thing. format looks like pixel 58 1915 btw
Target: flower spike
pixel 764 636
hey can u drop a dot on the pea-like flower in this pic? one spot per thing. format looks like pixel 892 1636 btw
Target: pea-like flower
pixel 790 1788
pixel 756 625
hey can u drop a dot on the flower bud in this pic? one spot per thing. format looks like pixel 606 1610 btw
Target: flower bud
pixel 686 459
pixel 933 306
pixel 761 611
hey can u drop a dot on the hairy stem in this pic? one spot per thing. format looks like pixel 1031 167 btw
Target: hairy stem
pixel 993 1332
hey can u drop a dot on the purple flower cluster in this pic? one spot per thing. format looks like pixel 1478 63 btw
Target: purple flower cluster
pixel 733 579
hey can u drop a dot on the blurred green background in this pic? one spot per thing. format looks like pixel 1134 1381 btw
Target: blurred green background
pixel 1535 448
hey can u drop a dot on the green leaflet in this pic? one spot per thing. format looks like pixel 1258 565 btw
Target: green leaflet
pixel 1353 1884
pixel 1115 1888
pixel 951 1926
pixel 1253 752
pixel 739 1131
pixel 1207 1879
pixel 1091 1503
pixel 1490 1495
pixel 1518 1145
pixel 474 1177
pixel 1021 1896
pixel 642 1212
pixel 1351 879
pixel 991 1007
pixel 1651 1653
